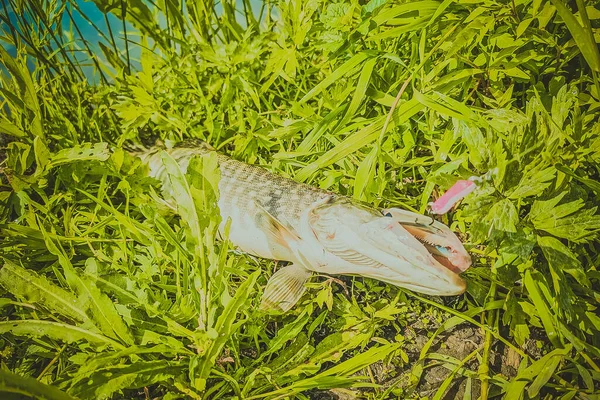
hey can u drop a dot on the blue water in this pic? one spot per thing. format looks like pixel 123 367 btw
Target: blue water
pixel 92 36
pixel 101 34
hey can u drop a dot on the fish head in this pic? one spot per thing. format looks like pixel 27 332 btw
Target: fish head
pixel 396 246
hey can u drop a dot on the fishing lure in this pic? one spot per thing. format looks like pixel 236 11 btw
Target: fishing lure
pixel 461 189
pixel 456 193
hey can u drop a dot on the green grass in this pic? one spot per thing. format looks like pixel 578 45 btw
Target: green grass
pixel 106 292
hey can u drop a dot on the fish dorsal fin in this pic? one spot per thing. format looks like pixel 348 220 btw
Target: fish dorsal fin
pixel 285 288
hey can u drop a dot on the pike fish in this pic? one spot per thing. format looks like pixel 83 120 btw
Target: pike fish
pixel 320 231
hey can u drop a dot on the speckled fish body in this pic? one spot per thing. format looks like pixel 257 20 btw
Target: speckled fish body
pixel 278 218
pixel 246 192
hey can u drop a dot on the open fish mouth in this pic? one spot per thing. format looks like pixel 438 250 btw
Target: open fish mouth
pixel 441 254
pixel 437 238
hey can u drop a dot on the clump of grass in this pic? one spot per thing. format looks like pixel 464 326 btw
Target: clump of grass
pixel 106 291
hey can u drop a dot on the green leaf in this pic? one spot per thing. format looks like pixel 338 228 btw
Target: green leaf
pixel 297 351
pixel 98 363
pixel 138 14
pixel 560 257
pixel 112 57
pixel 567 221
pixel 365 174
pixel 544 209
pixel 319 130
pixel 174 327
pixel 388 13
pixel 138 231
pixel 538 373
pixel 101 308
pixel 590 183
pixel 473 137
pixel 333 347
pixel 372 5
pixel 84 152
pixel 8 128
pixel 533 182
pixel 516 72
pixel 180 190
pixel 203 175
pixel 361 89
pixel 403 18
pixel 28 94
pixel 360 139
pixel 520 243
pixel 103 384
pixel 580 345
pixel 516 317
pixel 42 154
pixel 362 360
pixel 29 387
pixel 341 374
pixel 446 106
pixel 56 330
pixel 287 333
pixel 32 288
pixel 523 25
pixel 503 216
pixel 555 252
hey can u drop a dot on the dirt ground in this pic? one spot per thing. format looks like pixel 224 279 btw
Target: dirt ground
pixel 457 343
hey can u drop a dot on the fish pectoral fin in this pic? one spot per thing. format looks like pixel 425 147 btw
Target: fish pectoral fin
pixel 275 230
pixel 285 288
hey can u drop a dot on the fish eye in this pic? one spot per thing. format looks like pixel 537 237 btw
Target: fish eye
pixel 387 214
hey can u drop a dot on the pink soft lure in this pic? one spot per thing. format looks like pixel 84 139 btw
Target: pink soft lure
pixel 455 194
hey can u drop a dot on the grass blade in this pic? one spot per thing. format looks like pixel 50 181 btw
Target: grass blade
pixel 360 139
pixel 336 75
pixel 28 95
pixel 533 287
pixel 225 325
pixel 582 34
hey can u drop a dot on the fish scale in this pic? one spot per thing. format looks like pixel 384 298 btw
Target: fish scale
pixel 281 197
